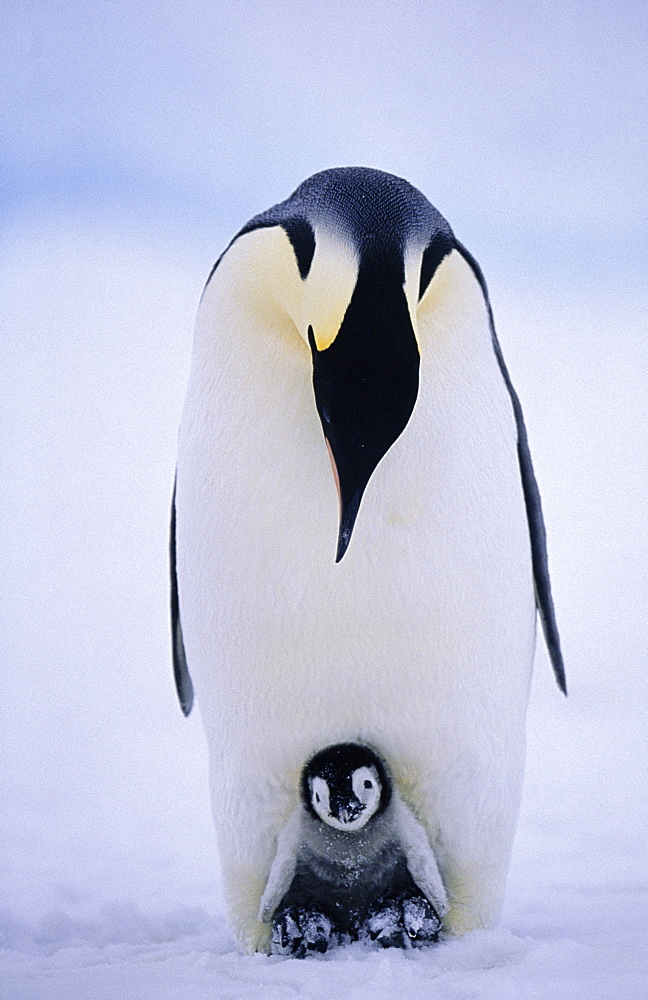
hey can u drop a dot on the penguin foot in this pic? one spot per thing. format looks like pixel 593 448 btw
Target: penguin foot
pixel 421 921
pixel 300 932
pixel 403 920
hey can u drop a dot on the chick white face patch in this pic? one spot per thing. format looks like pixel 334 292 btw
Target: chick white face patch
pixel 320 798
pixel 350 811
pixel 366 788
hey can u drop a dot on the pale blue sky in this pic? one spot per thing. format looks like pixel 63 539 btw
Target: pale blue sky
pixel 524 123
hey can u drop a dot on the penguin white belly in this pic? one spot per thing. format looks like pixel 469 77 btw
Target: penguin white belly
pixel 419 642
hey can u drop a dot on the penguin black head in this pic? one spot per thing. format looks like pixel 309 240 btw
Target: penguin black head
pixel 345 786
pixel 359 248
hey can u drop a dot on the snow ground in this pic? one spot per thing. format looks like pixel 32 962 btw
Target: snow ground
pixel 109 876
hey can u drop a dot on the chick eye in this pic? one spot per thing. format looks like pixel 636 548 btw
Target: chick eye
pixel 368 784
pixel 317 798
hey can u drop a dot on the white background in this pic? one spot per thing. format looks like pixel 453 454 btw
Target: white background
pixel 136 139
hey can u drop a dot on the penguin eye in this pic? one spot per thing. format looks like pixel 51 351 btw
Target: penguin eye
pixel 368 784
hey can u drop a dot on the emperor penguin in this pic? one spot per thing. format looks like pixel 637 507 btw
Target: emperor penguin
pixel 357 542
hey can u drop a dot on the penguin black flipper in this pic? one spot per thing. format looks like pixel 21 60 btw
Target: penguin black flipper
pixel 544 600
pixel 184 686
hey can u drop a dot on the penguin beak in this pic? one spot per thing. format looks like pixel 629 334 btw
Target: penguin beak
pixel 347 520
pixel 348 510
pixel 365 384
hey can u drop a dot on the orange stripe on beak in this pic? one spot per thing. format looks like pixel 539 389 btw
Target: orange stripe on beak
pixel 336 477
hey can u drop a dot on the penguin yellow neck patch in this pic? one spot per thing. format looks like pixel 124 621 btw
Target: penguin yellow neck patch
pixel 328 288
pixel 413 258
pixel 266 258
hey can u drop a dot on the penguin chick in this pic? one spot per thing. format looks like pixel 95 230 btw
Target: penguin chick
pixel 352 861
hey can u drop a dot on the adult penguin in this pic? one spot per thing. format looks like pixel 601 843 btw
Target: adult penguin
pixel 346 374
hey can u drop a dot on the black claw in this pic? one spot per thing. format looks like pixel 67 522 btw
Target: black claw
pixel 403 920
pixel 420 920
pixel 300 932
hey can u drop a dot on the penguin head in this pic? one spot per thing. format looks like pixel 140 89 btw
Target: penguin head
pixel 345 261
pixel 345 786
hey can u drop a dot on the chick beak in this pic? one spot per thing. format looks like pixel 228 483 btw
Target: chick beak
pixel 350 812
